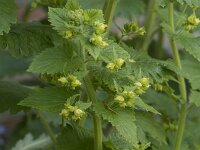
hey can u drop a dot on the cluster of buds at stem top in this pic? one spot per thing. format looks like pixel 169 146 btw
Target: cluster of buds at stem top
pixel 133 29
pixel 70 81
pixel 125 99
pixel 192 21
pixel 116 64
pixel 72 112
pixel 141 85
pixel 97 37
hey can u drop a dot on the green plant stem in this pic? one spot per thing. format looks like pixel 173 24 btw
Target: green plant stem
pixel 182 86
pixel 149 24
pixel 109 10
pixel 47 127
pixel 96 119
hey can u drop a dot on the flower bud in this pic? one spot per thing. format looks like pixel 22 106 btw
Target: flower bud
pixel 79 113
pixel 138 84
pixel 75 83
pixel 130 103
pixel 63 80
pixel 100 27
pixel 123 105
pixel 141 31
pixel 64 113
pixel 119 62
pixel 68 34
pixel 110 66
pixel 193 20
pixel 139 91
pixel 119 99
pixel 144 82
pixel 71 108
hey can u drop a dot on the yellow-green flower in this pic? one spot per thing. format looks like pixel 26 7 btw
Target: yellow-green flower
pixel 100 27
pixel 63 80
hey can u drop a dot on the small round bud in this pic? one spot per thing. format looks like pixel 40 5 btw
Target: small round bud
pixel 79 113
pixel 63 80
pixel 193 20
pixel 144 82
pixel 68 34
pixel 138 84
pixel 119 99
pixel 139 91
pixel 110 66
pixel 64 113
pixel 103 44
pixel 158 87
pixel 130 103
pixel 119 62
pixel 75 83
pixel 123 105
pixel 131 61
pixel 97 40
pixel 141 31
pixel 71 108
pixel 100 27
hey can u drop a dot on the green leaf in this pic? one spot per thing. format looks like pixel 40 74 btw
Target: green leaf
pixel 11 94
pixel 113 51
pixel 191 70
pixel 72 5
pixel 28 39
pixel 150 126
pixel 29 143
pixel 117 142
pixel 10 66
pixel 122 119
pixel 162 3
pixel 161 102
pixel 189 2
pixel 50 99
pixel 189 42
pixel 56 60
pixel 140 103
pixel 195 98
pixel 150 67
pixel 8 12
pixel 75 138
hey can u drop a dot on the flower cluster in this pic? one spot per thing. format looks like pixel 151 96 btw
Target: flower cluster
pixel 116 64
pixel 72 112
pixel 134 29
pixel 97 37
pixel 78 20
pixel 70 81
pixel 141 85
pixel 192 21
pixel 157 87
pixel 125 99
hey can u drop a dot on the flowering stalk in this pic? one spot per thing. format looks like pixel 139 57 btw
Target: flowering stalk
pixel 182 86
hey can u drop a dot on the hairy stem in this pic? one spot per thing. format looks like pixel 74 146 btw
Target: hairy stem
pixel 109 10
pixel 96 119
pixel 182 86
pixel 149 24
pixel 47 127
